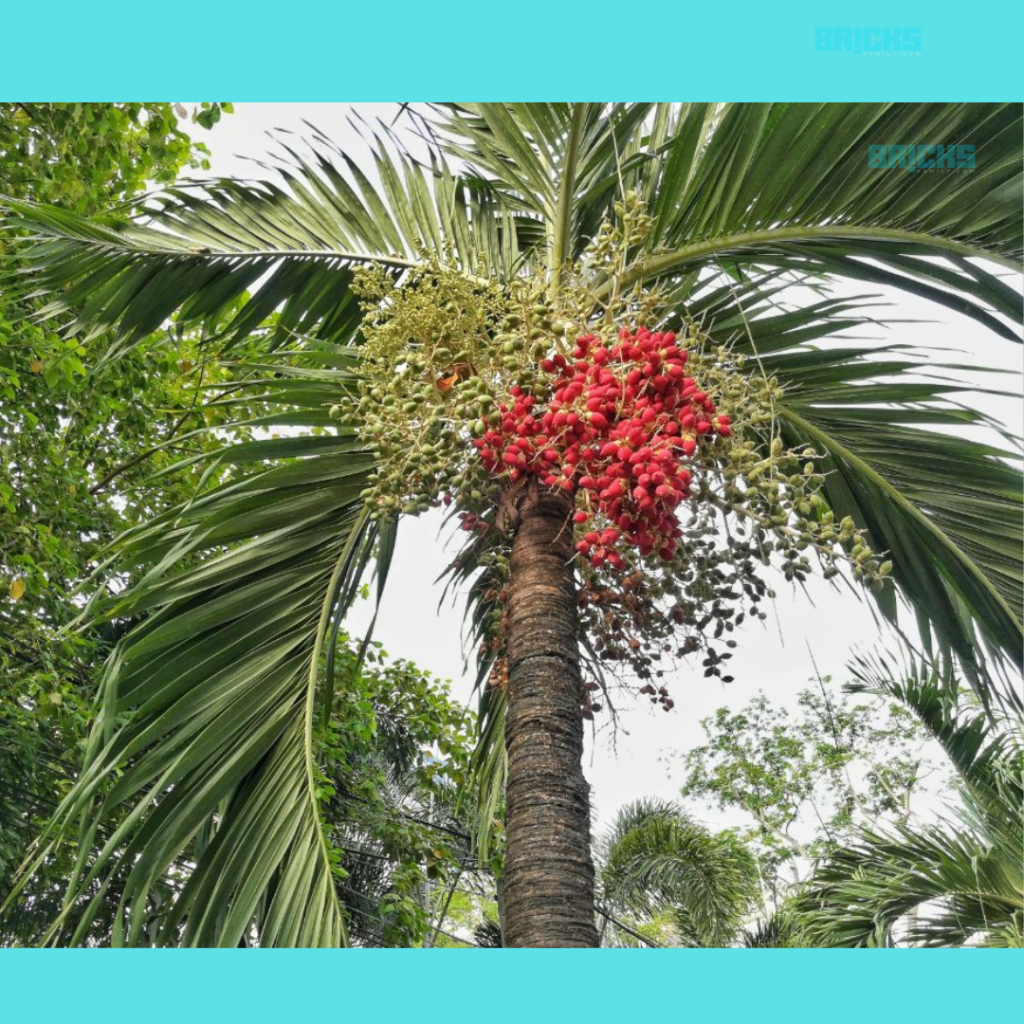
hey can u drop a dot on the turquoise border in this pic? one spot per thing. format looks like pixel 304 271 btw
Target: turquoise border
pixel 309 50
pixel 521 986
pixel 303 52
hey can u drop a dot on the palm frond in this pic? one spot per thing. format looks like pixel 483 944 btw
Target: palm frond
pixel 205 247
pixel 956 882
pixel 655 858
pixel 200 766
pixel 789 186
pixel 888 421
pixel 785 186
pixel 958 887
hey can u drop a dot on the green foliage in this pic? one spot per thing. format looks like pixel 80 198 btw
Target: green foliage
pixel 63 434
pixel 65 438
pixel 805 779
pixel 390 761
pixel 657 862
pixel 955 882
pixel 86 156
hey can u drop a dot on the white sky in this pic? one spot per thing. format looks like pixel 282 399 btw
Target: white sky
pixel 774 657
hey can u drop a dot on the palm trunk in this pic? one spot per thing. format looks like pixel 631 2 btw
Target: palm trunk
pixel 549 874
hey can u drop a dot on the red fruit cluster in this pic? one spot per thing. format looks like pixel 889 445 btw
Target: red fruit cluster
pixel 621 423
pixel 469 521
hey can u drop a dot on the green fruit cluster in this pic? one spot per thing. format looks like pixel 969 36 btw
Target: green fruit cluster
pixel 440 353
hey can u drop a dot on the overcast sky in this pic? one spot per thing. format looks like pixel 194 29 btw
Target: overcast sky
pixel 775 657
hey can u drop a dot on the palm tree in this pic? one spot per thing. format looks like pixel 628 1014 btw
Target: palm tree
pixel 207 704
pixel 655 859
pixel 957 882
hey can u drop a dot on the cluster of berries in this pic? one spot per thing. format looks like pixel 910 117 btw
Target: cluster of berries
pixel 621 423
pixel 469 521
pixel 588 705
pixel 658 696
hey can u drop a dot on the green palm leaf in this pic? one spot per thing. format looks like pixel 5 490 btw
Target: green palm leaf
pixel 654 858
pixel 206 247
pixel 203 752
pixel 956 882
pixel 777 185
pixel 946 508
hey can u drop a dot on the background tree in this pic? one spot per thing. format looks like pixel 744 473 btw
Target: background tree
pixel 387 799
pixel 806 779
pixel 66 435
pixel 655 860
pixel 954 882
pixel 392 758
pixel 553 214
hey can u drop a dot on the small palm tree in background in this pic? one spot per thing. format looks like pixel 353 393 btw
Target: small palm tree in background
pixel 525 227
pixel 655 861
pixel 957 882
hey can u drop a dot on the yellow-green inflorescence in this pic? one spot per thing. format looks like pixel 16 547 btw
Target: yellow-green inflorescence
pixel 442 353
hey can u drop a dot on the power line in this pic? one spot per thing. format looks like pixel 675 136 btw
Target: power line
pixel 629 931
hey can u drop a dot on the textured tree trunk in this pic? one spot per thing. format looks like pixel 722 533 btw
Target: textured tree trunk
pixel 549 874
